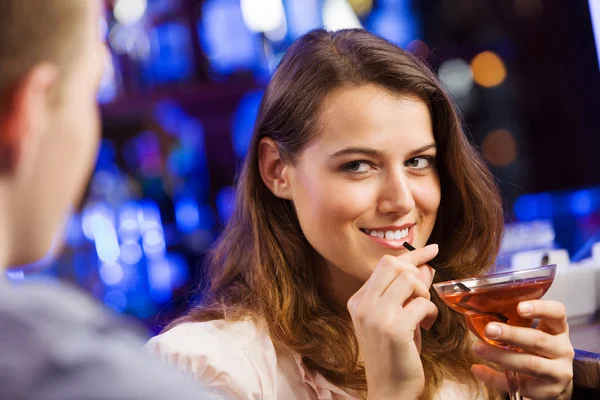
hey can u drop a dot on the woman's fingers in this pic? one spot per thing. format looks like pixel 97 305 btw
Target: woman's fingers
pixel 389 267
pixel 545 366
pixel 524 363
pixel 394 284
pixel 426 274
pixel 405 289
pixel 405 286
pixel 421 256
pixel 419 311
pixel 552 313
pixel 530 340
pixel 386 271
pixel 529 387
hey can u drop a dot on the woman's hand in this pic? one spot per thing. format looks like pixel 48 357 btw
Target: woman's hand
pixel 545 367
pixel 387 313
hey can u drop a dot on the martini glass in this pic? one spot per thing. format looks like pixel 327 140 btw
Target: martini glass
pixel 494 298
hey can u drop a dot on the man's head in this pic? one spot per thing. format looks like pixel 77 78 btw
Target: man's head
pixel 51 63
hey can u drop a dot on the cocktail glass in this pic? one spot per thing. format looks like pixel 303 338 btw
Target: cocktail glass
pixel 494 298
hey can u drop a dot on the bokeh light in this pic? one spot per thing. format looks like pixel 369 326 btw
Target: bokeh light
pixel 337 14
pixel 129 11
pixel 456 75
pixel 581 202
pixel 263 15
pixel 116 300
pixel 418 48
pixel 500 147
pixel 488 69
pixel 534 206
pixel 228 43
pixel 244 119
pixel 302 16
pixel 361 7
pixel 111 273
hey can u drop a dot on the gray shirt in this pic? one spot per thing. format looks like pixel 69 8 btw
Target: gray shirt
pixel 58 344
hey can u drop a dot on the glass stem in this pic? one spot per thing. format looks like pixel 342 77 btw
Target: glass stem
pixel 512 378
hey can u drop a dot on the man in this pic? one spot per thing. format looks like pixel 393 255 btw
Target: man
pixel 55 343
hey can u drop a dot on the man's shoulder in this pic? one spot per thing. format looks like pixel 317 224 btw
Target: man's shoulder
pixel 57 343
pixel 47 304
pixel 39 323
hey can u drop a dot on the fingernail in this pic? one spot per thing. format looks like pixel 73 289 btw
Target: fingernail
pixel 493 331
pixel 478 348
pixel 525 308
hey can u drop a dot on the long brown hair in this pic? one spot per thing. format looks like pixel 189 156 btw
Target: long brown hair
pixel 262 266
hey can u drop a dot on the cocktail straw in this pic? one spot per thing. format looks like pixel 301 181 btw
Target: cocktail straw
pixel 445 276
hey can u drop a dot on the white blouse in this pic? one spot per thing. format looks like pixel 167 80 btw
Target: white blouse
pixel 239 361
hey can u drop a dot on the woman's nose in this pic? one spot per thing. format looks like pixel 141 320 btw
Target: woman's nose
pixel 396 195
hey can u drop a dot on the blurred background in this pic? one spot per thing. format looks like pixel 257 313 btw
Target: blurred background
pixel 182 89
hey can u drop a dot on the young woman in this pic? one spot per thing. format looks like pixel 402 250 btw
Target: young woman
pixel 310 294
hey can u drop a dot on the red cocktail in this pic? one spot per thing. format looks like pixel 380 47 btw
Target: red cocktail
pixel 494 298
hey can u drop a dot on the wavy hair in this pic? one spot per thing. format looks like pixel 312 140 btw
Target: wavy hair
pixel 263 267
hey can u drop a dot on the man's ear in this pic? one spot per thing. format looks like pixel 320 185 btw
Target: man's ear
pixel 24 109
pixel 274 171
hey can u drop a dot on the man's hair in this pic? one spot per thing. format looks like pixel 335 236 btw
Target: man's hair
pixel 35 31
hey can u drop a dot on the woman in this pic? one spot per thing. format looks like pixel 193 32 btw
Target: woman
pixel 310 294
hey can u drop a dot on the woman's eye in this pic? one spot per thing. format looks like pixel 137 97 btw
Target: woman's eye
pixel 419 162
pixel 357 167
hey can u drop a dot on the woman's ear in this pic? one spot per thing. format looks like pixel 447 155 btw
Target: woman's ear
pixel 274 171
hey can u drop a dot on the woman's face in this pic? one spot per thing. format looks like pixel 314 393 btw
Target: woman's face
pixel 367 182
